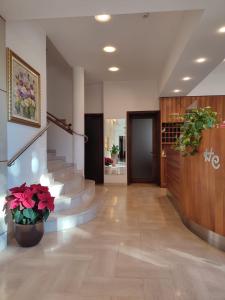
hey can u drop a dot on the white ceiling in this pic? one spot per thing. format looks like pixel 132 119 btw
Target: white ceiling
pixel 213 84
pixel 33 9
pixel 143 44
pixel 165 49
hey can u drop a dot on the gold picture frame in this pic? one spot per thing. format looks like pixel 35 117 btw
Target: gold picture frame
pixel 24 95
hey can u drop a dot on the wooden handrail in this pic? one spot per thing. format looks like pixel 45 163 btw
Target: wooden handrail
pixel 64 125
pixel 22 150
pixel 3 161
pixel 58 122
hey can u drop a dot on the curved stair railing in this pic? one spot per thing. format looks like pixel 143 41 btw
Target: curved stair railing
pixel 51 119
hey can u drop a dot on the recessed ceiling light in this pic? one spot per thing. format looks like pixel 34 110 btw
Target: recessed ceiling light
pixel 113 69
pixel 201 60
pixel 222 30
pixel 109 49
pixel 176 91
pixel 103 18
pixel 187 78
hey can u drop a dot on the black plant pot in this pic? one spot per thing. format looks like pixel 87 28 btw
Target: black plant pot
pixel 28 235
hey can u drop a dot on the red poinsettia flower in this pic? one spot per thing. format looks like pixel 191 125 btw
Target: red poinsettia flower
pixel 22 199
pixel 46 201
pixel 36 188
pixel 19 189
pixel 35 197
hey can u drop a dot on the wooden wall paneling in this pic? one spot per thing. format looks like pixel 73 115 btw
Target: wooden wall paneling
pixel 216 102
pixel 174 175
pixel 219 192
pixel 185 102
pixel 169 106
pixel 163 182
pixel 198 188
pixel 162 110
pixel 200 191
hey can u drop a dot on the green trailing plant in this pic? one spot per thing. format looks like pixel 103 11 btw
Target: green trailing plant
pixel 195 121
pixel 114 150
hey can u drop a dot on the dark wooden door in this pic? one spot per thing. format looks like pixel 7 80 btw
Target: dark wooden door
pixel 94 153
pixel 143 146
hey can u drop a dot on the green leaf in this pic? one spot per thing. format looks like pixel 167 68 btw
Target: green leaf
pixel 46 214
pixel 18 216
pixel 29 214
pixel 191 132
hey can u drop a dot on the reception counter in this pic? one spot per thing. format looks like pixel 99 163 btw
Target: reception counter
pixel 196 186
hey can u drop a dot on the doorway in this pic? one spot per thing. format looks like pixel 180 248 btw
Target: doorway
pixel 143 147
pixel 94 153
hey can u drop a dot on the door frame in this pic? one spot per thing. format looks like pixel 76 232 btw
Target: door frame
pixel 101 117
pixel 156 132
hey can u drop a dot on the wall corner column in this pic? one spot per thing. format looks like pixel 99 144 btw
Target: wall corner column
pixel 78 116
pixel 3 136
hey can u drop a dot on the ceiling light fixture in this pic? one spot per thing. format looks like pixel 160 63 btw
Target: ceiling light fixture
pixel 222 30
pixel 187 78
pixel 103 18
pixel 176 91
pixel 201 60
pixel 109 49
pixel 113 69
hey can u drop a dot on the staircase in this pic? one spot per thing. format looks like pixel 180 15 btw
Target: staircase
pixel 75 200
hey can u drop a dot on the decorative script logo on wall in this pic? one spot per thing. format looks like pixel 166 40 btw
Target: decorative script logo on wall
pixel 210 156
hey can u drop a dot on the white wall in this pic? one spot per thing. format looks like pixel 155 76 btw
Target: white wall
pixel 94 98
pixel 61 141
pixel 3 135
pixel 60 101
pixel 59 84
pixel 115 98
pixel 122 96
pixel 213 84
pixel 29 42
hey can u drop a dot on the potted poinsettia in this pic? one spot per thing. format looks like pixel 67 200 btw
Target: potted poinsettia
pixel 30 206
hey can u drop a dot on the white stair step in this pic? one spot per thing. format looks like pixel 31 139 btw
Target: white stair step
pixel 66 174
pixel 63 171
pixel 67 219
pixel 75 201
pixel 72 183
pixel 52 151
pixel 51 154
pixel 54 157
pixel 55 165
pixel 56 189
pixel 47 179
pixel 66 186
pixel 77 198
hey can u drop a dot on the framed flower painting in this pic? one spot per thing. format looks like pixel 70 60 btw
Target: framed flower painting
pixel 23 92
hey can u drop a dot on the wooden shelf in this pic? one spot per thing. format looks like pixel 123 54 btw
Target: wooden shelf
pixel 170 132
pixel 169 143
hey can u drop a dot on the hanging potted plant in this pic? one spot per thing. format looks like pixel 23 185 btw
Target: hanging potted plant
pixel 30 206
pixel 195 121
pixel 114 154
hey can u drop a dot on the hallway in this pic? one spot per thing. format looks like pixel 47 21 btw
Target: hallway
pixel 136 249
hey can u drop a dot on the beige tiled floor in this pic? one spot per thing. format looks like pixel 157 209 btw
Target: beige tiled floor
pixel 136 249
